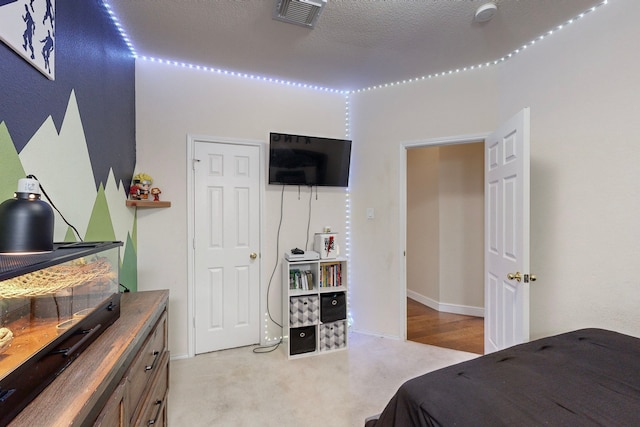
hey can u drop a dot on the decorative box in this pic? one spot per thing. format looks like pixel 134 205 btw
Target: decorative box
pixel 303 311
pixel 333 336
pixel 326 245
pixel 333 306
pixel 302 340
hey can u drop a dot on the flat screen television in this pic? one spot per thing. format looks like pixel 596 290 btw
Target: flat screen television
pixel 308 160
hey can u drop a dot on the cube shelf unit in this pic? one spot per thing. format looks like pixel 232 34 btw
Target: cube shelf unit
pixel 314 306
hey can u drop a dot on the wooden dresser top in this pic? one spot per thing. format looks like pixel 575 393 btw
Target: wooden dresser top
pixel 73 397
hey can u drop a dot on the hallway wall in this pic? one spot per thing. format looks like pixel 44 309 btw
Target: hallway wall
pixel 445 216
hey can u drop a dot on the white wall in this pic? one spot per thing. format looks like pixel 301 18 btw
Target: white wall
pixel 582 86
pixel 383 119
pixel 172 102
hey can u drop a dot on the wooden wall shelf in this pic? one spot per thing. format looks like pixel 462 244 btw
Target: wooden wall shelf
pixel 148 204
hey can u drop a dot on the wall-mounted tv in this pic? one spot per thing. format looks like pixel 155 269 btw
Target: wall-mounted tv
pixel 308 160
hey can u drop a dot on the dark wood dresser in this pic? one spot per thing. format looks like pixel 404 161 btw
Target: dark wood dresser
pixel 121 379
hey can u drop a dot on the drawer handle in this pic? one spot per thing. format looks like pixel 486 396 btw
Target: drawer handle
pixel 155 360
pixel 66 352
pixel 155 420
pixel 5 394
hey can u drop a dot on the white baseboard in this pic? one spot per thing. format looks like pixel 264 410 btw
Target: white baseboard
pixel 375 334
pixel 179 356
pixel 466 310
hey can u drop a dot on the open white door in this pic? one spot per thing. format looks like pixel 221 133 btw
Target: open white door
pixel 507 273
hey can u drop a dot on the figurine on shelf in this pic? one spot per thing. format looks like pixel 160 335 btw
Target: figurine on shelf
pixel 143 182
pixel 155 192
pixel 134 192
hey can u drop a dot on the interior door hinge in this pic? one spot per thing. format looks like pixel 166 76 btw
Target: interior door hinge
pixel 193 163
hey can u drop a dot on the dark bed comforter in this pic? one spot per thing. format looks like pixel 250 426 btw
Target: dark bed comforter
pixel 580 378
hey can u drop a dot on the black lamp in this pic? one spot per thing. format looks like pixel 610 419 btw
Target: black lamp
pixel 26 222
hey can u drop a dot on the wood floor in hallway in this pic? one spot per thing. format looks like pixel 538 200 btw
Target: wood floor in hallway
pixel 455 331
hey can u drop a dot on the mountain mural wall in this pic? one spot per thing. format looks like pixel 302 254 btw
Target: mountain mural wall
pixel 75 134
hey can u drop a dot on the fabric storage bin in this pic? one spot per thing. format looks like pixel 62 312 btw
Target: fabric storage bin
pixel 303 310
pixel 333 306
pixel 302 340
pixel 333 335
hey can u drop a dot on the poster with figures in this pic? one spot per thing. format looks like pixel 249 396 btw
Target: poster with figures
pixel 28 27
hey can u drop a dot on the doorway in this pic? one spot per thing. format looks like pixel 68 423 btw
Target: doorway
pixel 444 250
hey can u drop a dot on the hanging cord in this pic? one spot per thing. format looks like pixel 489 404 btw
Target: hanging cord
pixel 270 348
pixel 306 245
pixel 54 207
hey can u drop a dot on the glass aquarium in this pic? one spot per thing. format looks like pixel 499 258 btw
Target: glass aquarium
pixel 52 306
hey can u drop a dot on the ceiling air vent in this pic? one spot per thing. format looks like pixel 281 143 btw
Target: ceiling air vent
pixel 299 12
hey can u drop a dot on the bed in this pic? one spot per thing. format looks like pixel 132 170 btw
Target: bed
pixel 579 378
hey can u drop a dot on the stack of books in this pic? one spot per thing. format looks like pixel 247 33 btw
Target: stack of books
pixel 330 275
pixel 301 279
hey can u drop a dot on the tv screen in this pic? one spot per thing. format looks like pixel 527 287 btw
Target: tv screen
pixel 308 160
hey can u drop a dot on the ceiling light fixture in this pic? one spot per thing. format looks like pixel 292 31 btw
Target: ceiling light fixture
pixel 299 12
pixel 486 12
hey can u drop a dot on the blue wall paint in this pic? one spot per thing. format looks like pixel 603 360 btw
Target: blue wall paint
pixel 91 59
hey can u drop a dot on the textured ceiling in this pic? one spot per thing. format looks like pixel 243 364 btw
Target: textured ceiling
pixel 355 44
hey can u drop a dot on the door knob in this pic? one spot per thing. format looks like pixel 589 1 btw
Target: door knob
pixel 516 276
pixel 253 255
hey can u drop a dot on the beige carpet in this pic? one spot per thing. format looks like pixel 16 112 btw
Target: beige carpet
pixel 240 388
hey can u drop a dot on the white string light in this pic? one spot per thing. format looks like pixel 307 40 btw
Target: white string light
pixel 346 94
pixel 116 23
pixel 243 75
pixel 347 214
pixel 497 61
pixel 341 91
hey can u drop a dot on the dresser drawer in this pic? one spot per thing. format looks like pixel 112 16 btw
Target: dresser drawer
pixel 113 414
pixel 153 409
pixel 146 365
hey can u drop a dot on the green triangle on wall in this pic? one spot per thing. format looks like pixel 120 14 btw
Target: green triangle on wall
pixel 70 236
pixel 11 170
pixel 134 237
pixel 129 268
pixel 100 227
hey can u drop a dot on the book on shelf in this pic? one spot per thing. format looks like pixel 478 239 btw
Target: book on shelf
pixel 309 277
pixel 330 275
pixel 301 279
